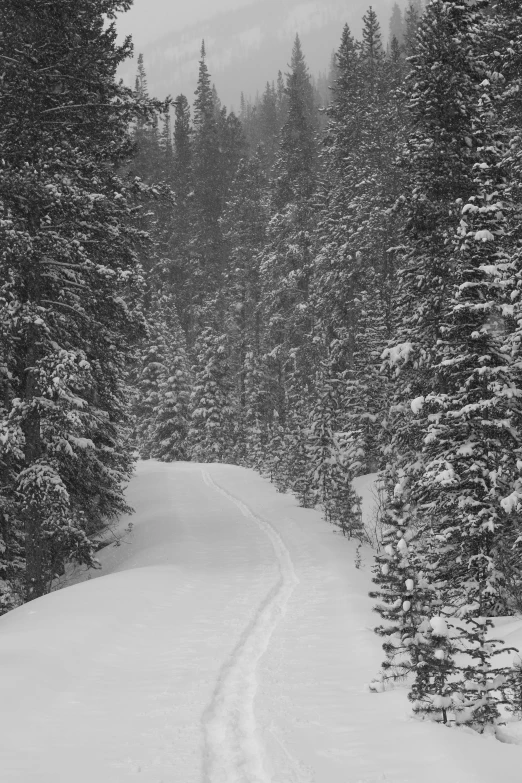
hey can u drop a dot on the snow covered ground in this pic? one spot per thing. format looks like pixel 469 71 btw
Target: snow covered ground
pixel 227 639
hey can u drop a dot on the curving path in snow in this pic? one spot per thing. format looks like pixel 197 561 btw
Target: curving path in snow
pixel 233 748
pixel 226 639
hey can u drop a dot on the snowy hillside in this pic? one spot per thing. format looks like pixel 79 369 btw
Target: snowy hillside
pixel 248 46
pixel 227 639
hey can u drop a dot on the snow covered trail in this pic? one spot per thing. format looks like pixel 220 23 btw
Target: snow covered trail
pixel 226 640
pixel 234 753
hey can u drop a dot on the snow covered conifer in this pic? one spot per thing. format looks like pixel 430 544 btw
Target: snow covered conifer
pixel 296 164
pixel 353 278
pixel 68 279
pixel 207 202
pixel 322 452
pixel 274 454
pixel 402 590
pixel 295 451
pixel 180 268
pixel 244 226
pixel 411 27
pixel 151 376
pixel 170 419
pixel 455 235
pixel 286 264
pixel 434 692
pixel 329 475
pixel 396 25
pixel 147 161
pixel 212 430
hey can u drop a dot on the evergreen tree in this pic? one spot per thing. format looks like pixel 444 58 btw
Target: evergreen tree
pixel 205 244
pixel 295 168
pixel 147 161
pixel 285 269
pixel 328 472
pixel 244 226
pixel 455 216
pixel 233 148
pixel 354 274
pixel 171 414
pixel 269 123
pixel 372 51
pixel 403 593
pixel 69 281
pixel 180 276
pixel 396 25
pixel 281 100
pixel 412 19
pixel 152 374
pixel 499 46
pixel 182 150
pixel 211 433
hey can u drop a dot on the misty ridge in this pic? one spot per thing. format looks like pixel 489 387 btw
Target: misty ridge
pixel 247 47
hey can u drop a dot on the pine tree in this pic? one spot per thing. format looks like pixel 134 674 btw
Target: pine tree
pixel 206 243
pixel 405 596
pixel 281 100
pixel 182 149
pixel 286 267
pixel 167 150
pixel 244 227
pixel 354 273
pixel 171 415
pixel 371 46
pixel 295 169
pixel 69 284
pixel 180 274
pixel 211 433
pixel 147 161
pixel 328 472
pixel 499 47
pixel 397 25
pixel 295 459
pixel 412 19
pixel 152 374
pixel 269 124
pixel 437 674
pixel 233 147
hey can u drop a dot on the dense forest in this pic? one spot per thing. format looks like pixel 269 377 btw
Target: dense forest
pixel 324 286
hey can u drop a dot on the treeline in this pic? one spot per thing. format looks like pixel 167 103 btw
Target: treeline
pixel 348 291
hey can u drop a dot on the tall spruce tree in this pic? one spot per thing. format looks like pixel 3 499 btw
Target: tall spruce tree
pixel 180 277
pixel 206 249
pixel 147 162
pixel 212 428
pixel 286 258
pixel 354 273
pixel 171 415
pixel 68 279
pixel 397 26
pixel 244 226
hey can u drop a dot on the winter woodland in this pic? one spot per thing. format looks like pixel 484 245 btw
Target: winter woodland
pixel 325 285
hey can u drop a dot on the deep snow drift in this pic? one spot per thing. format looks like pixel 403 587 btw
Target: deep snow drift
pixel 227 639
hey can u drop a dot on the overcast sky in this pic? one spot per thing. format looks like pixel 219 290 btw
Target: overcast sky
pixel 150 19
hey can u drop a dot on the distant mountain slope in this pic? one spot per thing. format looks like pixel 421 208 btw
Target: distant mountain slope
pixel 247 47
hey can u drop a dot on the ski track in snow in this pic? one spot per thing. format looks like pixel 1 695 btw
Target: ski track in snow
pixel 233 748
